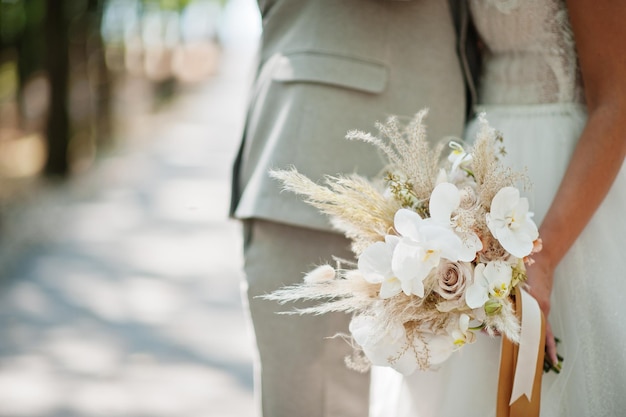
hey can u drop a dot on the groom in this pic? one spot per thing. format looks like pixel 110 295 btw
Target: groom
pixel 326 67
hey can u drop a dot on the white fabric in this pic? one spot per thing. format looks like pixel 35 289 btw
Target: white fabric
pixel 535 107
pixel 530 56
pixel 465 385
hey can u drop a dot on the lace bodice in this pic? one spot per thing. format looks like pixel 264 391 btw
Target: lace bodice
pixel 529 55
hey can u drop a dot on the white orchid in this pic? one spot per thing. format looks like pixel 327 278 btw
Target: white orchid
pixel 511 223
pixel 425 242
pixel 458 156
pixel 444 200
pixel 462 334
pixel 383 347
pixel 420 249
pixel 375 265
pixel 491 281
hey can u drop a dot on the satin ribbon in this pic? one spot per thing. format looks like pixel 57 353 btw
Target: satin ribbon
pixel 521 365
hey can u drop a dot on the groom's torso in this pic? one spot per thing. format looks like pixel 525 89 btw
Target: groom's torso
pixel 329 66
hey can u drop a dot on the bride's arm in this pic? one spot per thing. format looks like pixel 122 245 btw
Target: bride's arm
pixel 600 36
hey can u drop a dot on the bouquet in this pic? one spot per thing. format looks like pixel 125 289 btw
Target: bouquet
pixel 441 241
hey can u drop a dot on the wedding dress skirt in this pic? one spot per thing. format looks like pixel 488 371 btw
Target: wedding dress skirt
pixel 589 295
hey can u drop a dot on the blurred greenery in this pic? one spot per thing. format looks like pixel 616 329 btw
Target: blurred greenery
pixel 64 64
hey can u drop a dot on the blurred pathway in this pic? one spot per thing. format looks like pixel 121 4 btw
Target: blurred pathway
pixel 123 298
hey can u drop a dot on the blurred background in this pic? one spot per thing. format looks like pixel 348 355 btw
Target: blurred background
pixel 120 272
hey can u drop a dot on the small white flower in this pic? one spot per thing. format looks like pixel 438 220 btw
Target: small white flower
pixel 461 334
pixel 458 156
pixel 510 222
pixel 375 265
pixel 490 281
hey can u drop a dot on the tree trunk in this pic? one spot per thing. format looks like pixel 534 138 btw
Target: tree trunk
pixel 100 77
pixel 57 63
pixel 30 49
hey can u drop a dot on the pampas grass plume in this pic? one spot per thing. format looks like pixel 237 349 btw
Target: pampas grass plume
pixel 322 273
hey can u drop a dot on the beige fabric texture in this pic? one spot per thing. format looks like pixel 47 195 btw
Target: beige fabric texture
pixel 327 67
pixel 303 371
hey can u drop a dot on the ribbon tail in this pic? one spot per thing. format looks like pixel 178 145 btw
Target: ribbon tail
pixel 519 384
pixel 508 359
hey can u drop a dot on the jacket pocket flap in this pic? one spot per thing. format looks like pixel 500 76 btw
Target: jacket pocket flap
pixel 331 69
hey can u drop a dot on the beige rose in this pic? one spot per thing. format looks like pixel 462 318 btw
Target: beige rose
pixel 452 279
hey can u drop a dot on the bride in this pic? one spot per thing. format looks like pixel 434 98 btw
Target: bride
pixel 562 110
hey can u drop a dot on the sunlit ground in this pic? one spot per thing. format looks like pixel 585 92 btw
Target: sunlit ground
pixel 119 293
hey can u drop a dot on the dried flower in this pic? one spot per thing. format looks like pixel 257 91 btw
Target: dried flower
pixel 453 279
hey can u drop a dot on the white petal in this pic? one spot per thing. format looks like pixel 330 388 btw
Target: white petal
pixel 530 228
pixel 406 364
pixel 476 295
pixel 410 269
pixel 362 329
pixel 444 200
pixel 494 223
pixel 479 273
pixel 379 349
pixel 464 322
pixel 390 287
pixel 414 287
pixel 521 209
pixel 407 222
pixel 443 239
pixel 498 272
pixel 392 241
pixel 375 262
pixel 405 260
pixel 517 244
pixel 470 244
pixel 504 201
pixel 440 347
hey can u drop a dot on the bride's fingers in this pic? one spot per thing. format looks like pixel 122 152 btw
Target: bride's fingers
pixel 551 345
pixel 491 333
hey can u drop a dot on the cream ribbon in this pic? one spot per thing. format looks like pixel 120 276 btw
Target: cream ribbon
pixel 530 339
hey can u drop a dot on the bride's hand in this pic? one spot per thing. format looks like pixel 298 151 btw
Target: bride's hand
pixel 540 287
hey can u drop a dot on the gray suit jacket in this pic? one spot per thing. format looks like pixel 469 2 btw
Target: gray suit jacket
pixel 329 66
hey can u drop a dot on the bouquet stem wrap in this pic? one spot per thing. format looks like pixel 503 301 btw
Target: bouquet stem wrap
pixel 519 385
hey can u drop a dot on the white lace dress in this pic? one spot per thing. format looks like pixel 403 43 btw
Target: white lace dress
pixel 530 90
